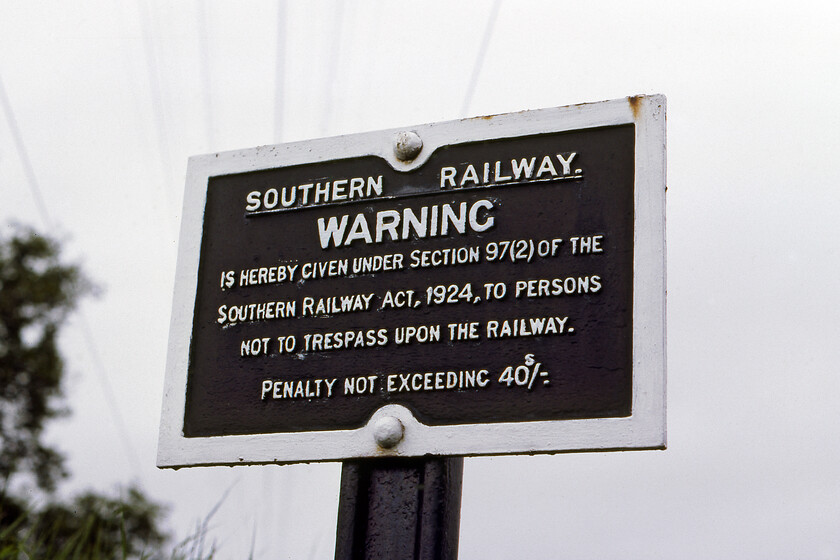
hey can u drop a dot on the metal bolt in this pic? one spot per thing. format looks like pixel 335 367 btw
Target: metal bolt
pixel 407 145
pixel 388 432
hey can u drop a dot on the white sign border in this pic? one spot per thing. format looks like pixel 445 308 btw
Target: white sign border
pixel 644 429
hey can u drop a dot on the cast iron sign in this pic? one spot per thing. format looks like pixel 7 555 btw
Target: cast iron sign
pixel 493 285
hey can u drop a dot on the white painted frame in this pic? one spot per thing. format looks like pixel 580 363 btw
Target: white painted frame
pixel 644 429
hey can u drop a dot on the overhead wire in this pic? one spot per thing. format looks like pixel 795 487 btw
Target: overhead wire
pixel 329 86
pixel 24 157
pixel 482 53
pixel 87 334
pixel 280 71
pixel 156 94
pixel 204 54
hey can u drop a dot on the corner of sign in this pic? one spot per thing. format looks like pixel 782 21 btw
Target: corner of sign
pixel 656 101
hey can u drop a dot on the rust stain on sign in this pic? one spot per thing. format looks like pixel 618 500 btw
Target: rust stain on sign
pixel 635 104
pixel 481 118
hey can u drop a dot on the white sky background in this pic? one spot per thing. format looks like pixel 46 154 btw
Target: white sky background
pixel 111 98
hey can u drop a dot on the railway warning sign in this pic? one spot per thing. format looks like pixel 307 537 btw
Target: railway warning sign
pixel 492 285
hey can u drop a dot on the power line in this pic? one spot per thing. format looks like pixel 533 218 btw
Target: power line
pixel 156 94
pixel 110 397
pixel 329 86
pixel 204 53
pixel 24 157
pixel 479 61
pixel 87 335
pixel 280 71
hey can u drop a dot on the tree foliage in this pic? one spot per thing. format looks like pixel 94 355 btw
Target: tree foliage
pixel 37 292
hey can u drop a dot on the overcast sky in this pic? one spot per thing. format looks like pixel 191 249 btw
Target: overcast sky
pixel 108 100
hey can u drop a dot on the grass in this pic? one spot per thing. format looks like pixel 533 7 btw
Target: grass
pixel 23 539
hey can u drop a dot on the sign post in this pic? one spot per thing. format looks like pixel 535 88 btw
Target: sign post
pixel 399 508
pixel 487 286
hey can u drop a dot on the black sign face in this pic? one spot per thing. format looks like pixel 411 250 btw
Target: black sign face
pixel 494 283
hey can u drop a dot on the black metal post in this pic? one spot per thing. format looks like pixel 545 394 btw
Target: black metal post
pixel 399 509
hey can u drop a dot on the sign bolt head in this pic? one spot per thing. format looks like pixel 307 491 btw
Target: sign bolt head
pixel 388 432
pixel 407 145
